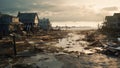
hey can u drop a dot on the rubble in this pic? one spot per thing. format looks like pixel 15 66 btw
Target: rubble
pixel 112 50
pixel 96 44
pixel 74 46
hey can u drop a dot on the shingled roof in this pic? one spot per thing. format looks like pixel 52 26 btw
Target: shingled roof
pixel 27 17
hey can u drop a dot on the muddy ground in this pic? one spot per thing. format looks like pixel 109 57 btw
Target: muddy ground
pixel 58 49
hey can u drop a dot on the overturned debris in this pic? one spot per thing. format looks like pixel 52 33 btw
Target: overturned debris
pixel 97 44
pixel 113 50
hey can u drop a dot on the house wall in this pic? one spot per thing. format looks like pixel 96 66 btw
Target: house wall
pixel 5 21
pixel 112 21
pixel 4 29
pixel 15 20
pixel 36 20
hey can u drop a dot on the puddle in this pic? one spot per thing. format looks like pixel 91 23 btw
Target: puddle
pixel 73 42
pixel 44 61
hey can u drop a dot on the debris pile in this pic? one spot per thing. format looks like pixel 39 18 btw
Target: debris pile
pixel 112 49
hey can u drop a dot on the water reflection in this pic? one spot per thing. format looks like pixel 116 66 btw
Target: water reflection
pixel 73 42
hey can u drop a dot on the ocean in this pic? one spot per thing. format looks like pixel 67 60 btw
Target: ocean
pixel 77 24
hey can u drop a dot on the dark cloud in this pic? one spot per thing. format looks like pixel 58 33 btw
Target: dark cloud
pixel 54 9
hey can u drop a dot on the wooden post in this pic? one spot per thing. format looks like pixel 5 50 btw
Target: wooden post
pixel 14 46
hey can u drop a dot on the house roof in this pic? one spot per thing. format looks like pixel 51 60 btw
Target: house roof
pixel 27 17
pixel 110 18
pixel 116 14
pixel 5 19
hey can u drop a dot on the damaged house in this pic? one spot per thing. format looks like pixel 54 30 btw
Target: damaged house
pixel 112 22
pixel 29 20
pixel 8 24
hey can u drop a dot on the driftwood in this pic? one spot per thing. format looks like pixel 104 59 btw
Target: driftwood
pixel 97 44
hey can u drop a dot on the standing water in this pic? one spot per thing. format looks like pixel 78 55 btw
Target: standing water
pixel 73 42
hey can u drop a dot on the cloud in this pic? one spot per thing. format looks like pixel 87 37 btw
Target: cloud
pixel 110 9
pixel 73 13
pixel 56 10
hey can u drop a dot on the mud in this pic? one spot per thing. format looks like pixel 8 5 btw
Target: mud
pixel 67 50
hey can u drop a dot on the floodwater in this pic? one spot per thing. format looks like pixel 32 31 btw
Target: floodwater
pixel 73 42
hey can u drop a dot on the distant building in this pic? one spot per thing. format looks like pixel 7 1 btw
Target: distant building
pixel 45 24
pixel 30 20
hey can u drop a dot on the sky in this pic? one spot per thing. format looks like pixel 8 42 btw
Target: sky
pixel 64 10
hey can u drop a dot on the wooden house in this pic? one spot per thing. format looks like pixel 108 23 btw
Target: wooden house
pixel 8 24
pixel 29 20
pixel 5 21
pixel 112 21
